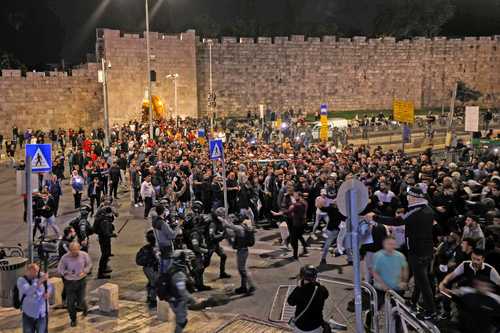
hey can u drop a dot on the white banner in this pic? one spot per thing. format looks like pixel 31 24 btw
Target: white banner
pixel 472 118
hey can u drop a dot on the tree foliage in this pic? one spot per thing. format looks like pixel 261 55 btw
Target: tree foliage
pixel 467 94
pixel 412 17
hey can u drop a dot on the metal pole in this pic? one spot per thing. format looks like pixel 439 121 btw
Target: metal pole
pixel 175 99
pixel 211 91
pixel 105 97
pixel 150 85
pixel 353 216
pixel 226 206
pixel 29 207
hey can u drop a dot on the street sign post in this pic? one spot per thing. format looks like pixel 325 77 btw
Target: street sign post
pixel 406 135
pixel 352 198
pixel 216 152
pixel 39 160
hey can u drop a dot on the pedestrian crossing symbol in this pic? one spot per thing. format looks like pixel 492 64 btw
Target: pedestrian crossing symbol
pixel 216 150
pixel 40 156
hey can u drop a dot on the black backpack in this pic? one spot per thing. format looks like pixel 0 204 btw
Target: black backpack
pixel 249 236
pixel 165 288
pixel 16 302
pixel 145 257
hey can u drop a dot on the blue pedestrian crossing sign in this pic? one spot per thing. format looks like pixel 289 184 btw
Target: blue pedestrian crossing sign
pixel 40 156
pixel 323 109
pixel 216 151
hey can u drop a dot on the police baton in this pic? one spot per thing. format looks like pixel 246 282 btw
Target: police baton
pixel 123 226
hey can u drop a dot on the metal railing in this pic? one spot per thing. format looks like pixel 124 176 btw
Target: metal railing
pixel 11 251
pixel 366 287
pixel 395 305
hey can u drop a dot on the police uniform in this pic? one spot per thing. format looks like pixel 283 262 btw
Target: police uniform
pixel 216 233
pixel 195 241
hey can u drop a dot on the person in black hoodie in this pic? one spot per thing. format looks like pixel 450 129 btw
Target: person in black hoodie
pixel 147 258
pixel 104 228
pixel 418 222
pixel 115 176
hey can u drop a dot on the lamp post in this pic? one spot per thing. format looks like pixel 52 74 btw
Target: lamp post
pixel 211 99
pixel 105 100
pixel 174 78
pixel 150 85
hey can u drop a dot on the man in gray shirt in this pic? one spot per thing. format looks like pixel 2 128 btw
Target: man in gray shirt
pixel 74 267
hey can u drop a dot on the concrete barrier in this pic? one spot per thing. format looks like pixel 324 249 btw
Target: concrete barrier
pixel 108 297
pixel 56 296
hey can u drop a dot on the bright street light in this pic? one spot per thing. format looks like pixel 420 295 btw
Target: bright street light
pixel 174 78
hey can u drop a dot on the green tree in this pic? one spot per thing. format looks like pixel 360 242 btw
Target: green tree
pixel 467 94
pixel 8 61
pixel 412 17
pixel 206 26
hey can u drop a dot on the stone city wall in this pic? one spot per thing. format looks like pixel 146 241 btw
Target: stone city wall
pixel 127 77
pixel 281 72
pixel 345 73
pixel 48 100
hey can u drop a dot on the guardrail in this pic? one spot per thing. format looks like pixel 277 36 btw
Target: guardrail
pixel 395 305
pixel 11 251
pixel 365 286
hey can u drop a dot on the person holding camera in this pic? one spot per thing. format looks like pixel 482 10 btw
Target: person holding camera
pixel 34 293
pixel 309 300
pixel 74 267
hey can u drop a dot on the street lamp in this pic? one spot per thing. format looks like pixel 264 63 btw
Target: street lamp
pixel 174 78
pixel 103 78
pixel 211 95
pixel 150 85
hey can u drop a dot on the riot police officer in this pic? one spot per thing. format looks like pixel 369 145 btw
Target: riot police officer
pixel 104 228
pixel 165 233
pixel 215 234
pixel 195 241
pixel 180 297
pixel 82 227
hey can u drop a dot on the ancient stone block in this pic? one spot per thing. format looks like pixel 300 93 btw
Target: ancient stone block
pixel 56 297
pixel 108 297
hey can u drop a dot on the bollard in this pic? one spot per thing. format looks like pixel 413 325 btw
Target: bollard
pixel 164 312
pixel 56 296
pixel 108 297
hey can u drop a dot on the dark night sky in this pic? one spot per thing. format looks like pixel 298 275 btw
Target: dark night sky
pixel 37 32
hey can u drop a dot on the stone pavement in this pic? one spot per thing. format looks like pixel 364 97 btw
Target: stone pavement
pixel 267 263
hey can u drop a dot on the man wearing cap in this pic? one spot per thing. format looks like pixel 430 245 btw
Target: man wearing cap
pixel 418 222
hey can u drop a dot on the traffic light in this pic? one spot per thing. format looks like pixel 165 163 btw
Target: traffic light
pixel 153 76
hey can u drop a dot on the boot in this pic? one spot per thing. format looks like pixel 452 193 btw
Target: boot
pixel 241 290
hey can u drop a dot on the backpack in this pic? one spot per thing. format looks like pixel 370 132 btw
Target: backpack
pixel 248 239
pixel 16 302
pixel 144 257
pixel 165 288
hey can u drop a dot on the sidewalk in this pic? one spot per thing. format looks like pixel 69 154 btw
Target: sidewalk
pixel 133 317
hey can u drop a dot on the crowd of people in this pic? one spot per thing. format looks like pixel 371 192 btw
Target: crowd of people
pixel 435 221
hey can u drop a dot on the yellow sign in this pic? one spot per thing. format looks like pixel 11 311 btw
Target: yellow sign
pixel 323 133
pixel 324 120
pixel 404 111
pixel 278 123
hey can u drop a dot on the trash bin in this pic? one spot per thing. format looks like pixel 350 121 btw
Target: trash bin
pixel 10 270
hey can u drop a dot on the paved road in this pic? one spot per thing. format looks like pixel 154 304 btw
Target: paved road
pixel 268 266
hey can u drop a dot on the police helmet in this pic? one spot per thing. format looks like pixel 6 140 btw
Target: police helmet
pixel 85 209
pixel 309 273
pixel 220 212
pixel 197 207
